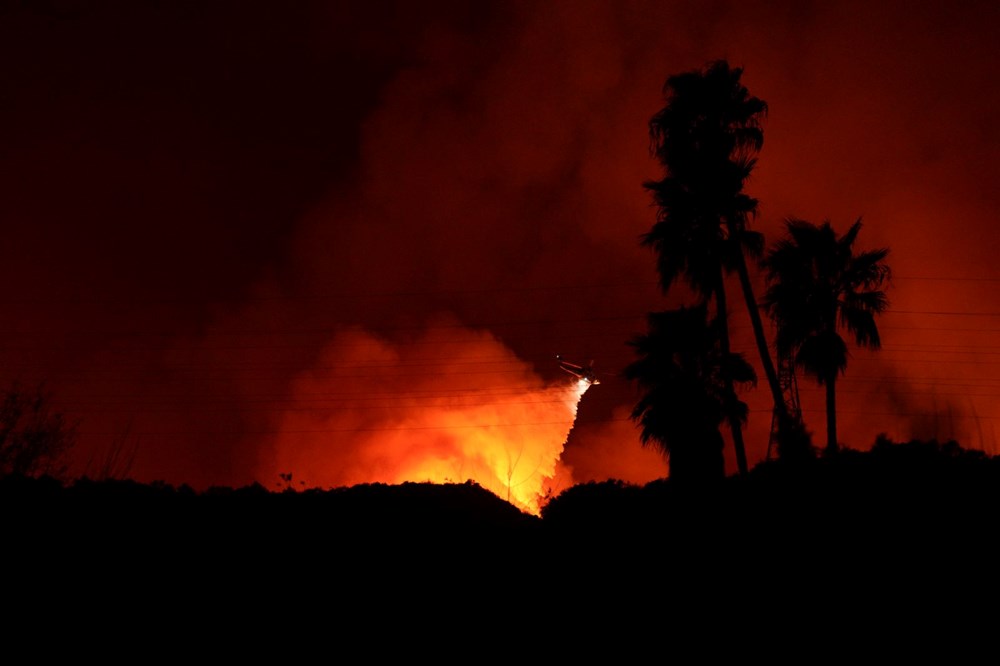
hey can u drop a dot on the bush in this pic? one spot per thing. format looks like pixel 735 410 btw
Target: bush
pixel 34 439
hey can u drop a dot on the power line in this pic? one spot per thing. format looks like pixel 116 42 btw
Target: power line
pixel 955 313
pixel 566 422
pixel 403 293
pixel 347 328
pixel 334 296
pixel 944 279
pixel 300 431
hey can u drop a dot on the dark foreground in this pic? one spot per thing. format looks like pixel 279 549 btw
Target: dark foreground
pixel 894 527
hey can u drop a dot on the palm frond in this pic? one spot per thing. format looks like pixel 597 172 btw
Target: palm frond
pixel 874 302
pixel 816 283
pixel 868 270
pixel 752 242
pixel 847 240
pixel 822 355
pixel 682 372
pixel 861 323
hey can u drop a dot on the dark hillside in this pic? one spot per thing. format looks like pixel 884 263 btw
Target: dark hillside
pixel 899 513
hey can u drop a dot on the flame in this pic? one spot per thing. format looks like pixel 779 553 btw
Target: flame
pixel 450 406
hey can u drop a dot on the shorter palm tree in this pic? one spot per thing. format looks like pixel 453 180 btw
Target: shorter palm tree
pixel 687 382
pixel 818 286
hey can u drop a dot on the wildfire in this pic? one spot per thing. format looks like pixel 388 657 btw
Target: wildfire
pixel 448 407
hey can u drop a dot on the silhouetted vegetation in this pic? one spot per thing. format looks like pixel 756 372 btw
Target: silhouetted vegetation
pixel 913 500
pixel 706 138
pixel 34 438
pixel 818 285
pixel 905 499
pixel 116 461
pixel 687 383
pixel 917 501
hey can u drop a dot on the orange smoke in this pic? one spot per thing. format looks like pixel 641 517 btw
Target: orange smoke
pixel 611 450
pixel 447 406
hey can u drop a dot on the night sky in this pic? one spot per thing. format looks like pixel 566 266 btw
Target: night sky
pixel 346 240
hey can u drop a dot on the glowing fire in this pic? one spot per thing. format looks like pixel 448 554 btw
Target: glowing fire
pixel 448 407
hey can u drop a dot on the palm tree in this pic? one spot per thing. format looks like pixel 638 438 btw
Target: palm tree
pixel 705 137
pixel 818 285
pixel 687 381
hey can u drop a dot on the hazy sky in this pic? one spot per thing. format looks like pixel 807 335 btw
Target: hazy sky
pixel 261 237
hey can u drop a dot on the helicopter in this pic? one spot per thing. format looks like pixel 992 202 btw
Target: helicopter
pixel 584 372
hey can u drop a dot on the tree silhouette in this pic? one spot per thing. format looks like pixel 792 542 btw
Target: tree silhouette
pixel 687 380
pixel 706 137
pixel 34 439
pixel 817 285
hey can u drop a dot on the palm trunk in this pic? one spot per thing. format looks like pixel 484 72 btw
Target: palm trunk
pixel 734 421
pixel 791 441
pixel 831 413
pixel 758 333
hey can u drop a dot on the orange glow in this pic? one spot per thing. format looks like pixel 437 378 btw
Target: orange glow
pixel 376 415
pixel 191 230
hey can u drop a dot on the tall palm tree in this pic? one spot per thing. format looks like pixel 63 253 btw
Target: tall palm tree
pixel 687 382
pixel 706 137
pixel 817 286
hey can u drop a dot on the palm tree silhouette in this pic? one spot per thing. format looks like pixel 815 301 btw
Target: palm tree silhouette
pixel 687 382
pixel 816 286
pixel 706 137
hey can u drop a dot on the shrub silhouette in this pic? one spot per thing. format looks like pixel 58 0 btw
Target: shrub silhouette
pixel 34 438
